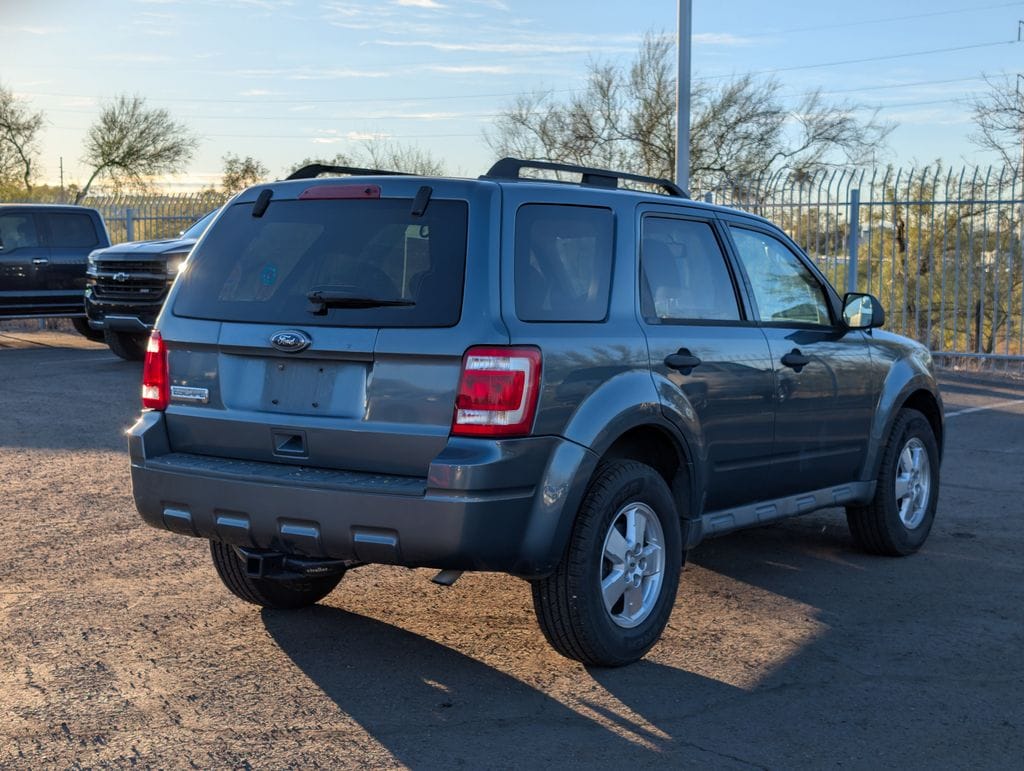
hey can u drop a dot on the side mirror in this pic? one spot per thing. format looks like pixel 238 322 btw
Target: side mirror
pixel 862 311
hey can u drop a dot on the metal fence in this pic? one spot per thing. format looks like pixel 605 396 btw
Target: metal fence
pixel 150 217
pixel 942 249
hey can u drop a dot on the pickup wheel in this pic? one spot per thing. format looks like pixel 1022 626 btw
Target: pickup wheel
pixel 609 599
pixel 82 327
pixel 897 521
pixel 267 592
pixel 128 346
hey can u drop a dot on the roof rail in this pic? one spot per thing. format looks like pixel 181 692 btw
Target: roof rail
pixel 316 169
pixel 509 168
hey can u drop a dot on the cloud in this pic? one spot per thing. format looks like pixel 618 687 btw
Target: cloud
pixel 33 30
pixel 432 4
pixel 498 5
pixel 553 47
pixel 134 58
pixel 334 137
pixel 307 73
pixel 470 69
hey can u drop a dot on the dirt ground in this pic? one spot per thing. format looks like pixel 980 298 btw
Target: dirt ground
pixel 787 647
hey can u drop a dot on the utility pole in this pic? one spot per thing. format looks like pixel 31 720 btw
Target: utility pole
pixel 1020 122
pixel 684 44
pixel 62 179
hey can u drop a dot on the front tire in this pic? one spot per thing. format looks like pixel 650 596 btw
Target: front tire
pixel 82 327
pixel 126 345
pixel 610 598
pixel 899 518
pixel 269 593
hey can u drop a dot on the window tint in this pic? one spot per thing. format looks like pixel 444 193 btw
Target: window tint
pixel 17 231
pixel 683 274
pixel 71 230
pixel 785 289
pixel 199 227
pixel 563 262
pixel 262 268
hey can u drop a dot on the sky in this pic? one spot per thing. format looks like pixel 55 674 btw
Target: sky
pixel 283 80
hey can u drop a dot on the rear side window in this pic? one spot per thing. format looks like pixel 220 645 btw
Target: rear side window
pixel 262 269
pixel 563 262
pixel 683 274
pixel 17 231
pixel 71 230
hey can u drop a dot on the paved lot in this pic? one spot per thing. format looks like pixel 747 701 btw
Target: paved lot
pixel 787 647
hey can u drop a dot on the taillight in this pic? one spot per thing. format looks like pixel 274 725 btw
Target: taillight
pixel 497 392
pixel 156 384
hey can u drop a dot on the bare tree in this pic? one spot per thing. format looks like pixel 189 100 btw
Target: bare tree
pixel 19 138
pixel 740 129
pixel 240 173
pixel 382 154
pixel 130 142
pixel 999 117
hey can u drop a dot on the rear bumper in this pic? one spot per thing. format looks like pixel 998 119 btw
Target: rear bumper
pixel 501 506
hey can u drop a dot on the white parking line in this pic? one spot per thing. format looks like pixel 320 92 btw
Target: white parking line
pixel 992 406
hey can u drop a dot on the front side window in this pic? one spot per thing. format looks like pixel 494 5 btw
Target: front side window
pixel 71 231
pixel 683 274
pixel 17 231
pixel 785 289
pixel 563 262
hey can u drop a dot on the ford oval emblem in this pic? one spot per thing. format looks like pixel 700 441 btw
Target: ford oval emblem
pixel 290 340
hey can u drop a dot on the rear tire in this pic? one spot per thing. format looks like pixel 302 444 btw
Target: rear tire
pixel 899 518
pixel 82 327
pixel 267 592
pixel 609 599
pixel 126 345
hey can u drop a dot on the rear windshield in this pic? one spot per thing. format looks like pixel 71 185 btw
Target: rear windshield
pixel 261 269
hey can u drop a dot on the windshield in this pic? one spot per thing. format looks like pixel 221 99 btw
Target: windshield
pixel 199 226
pixel 263 269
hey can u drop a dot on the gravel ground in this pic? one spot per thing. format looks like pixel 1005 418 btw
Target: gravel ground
pixel 787 647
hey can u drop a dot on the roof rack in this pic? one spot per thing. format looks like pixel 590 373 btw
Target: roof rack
pixel 509 168
pixel 316 169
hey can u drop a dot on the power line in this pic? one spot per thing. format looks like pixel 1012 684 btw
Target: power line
pixel 887 57
pixel 908 17
pixel 324 139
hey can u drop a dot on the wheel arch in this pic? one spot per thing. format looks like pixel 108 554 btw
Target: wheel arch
pixel 917 392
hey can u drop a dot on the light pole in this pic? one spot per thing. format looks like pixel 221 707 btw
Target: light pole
pixel 683 95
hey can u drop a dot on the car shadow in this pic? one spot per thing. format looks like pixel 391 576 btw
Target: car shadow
pixel 432 706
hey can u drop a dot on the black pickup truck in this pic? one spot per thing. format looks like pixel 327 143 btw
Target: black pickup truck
pixel 127 285
pixel 43 258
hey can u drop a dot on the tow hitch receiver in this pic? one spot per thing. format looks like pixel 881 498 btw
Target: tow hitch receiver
pixel 272 564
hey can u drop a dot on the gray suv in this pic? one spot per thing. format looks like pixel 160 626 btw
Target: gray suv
pixel 574 383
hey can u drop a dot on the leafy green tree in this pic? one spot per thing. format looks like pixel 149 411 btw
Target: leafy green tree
pixel 240 173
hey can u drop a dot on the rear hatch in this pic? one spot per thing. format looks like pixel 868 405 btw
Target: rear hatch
pixel 325 332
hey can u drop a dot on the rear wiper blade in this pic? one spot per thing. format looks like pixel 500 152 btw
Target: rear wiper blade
pixel 348 297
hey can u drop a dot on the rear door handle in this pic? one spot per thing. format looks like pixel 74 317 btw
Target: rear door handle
pixel 796 360
pixel 682 360
pixel 39 261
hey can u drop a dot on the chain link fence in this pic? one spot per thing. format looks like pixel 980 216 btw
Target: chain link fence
pixel 943 249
